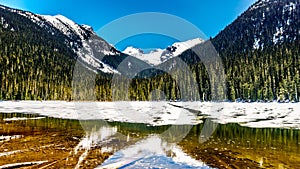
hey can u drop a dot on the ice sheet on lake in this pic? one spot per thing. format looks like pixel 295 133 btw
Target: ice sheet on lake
pixel 255 115
pixel 153 113
pixel 258 115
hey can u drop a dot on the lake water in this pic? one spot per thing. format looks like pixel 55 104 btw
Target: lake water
pixel 203 139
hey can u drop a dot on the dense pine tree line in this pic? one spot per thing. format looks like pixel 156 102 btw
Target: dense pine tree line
pixel 269 74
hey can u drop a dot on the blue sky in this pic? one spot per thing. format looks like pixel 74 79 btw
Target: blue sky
pixel 210 16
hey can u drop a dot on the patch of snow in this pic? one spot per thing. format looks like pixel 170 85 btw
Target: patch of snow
pixel 256 43
pixel 87 27
pixel 289 21
pixel 2 7
pixel 289 7
pixel 158 56
pixel 86 54
pixel 278 36
pixel 2 20
pixel 129 65
pixel 133 51
pixel 260 4
pixel 183 46
pixel 67 26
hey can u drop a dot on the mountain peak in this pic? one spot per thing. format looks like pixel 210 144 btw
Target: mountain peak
pixel 158 56
pixel 179 47
pixel 87 27
pixel 62 17
pixel 130 50
pixel 68 27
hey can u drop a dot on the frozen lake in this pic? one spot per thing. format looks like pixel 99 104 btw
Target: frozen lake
pixel 152 134
pixel 256 115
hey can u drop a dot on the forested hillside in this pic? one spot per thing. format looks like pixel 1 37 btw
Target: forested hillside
pixel 33 63
pixel 261 52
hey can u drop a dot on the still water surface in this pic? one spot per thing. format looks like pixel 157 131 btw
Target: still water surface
pixel 134 145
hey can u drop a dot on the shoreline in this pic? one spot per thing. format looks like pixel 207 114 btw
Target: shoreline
pixel 254 115
pixel 93 101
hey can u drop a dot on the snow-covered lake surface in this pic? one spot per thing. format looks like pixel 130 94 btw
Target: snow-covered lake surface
pixel 256 115
pixel 139 135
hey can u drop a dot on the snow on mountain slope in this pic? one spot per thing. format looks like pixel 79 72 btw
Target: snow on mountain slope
pixel 89 52
pixel 133 51
pixel 89 48
pixel 159 56
pixel 265 24
pixel 67 26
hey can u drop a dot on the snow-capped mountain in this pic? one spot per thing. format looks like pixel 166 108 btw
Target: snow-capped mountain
pixel 67 26
pixel 158 56
pixel 132 51
pixel 89 48
pixel 266 23
pixel 93 48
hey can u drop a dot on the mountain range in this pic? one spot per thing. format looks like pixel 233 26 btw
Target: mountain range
pixel 158 56
pixel 259 50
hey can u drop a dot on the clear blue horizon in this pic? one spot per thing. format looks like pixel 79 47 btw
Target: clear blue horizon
pixel 208 16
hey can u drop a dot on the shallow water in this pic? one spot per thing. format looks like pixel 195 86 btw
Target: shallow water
pixel 137 145
pixel 231 145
